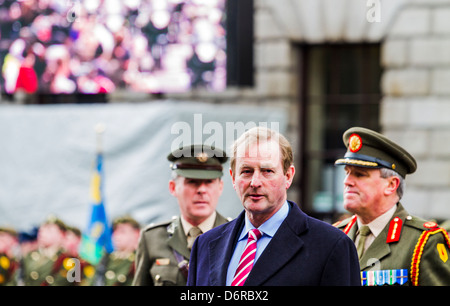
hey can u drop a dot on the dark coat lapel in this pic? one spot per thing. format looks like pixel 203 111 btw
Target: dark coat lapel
pixel 221 250
pixel 285 244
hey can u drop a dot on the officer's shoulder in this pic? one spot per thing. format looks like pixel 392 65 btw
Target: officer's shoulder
pixel 158 225
pixel 419 223
pixel 343 223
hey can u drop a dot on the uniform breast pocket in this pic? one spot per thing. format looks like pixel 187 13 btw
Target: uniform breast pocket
pixel 164 275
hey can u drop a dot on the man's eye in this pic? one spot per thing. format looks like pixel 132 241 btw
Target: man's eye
pixel 360 174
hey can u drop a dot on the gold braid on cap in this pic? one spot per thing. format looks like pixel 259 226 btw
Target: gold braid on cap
pixel 356 162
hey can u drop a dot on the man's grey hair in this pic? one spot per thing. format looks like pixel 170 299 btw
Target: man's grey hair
pixel 385 173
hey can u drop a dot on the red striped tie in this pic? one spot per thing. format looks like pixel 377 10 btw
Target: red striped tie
pixel 247 258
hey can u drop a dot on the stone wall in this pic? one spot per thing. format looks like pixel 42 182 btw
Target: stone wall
pixel 416 104
pixel 415 109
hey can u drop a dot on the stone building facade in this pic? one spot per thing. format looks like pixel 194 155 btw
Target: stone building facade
pixel 414 38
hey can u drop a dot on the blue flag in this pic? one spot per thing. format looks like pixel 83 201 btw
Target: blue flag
pixel 96 240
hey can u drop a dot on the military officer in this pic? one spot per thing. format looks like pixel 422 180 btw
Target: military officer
pixel 164 249
pixel 393 246
pixel 117 268
pixel 49 264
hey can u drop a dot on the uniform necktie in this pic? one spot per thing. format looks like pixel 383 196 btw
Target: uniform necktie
pixel 247 259
pixel 193 233
pixel 364 231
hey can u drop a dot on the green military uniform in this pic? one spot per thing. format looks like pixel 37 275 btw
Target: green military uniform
pixel 116 270
pixel 163 255
pixel 40 270
pixel 408 250
pixel 446 225
pixel 429 257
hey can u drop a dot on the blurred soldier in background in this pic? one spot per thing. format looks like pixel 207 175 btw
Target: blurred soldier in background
pixel 117 268
pixel 71 245
pixel 48 264
pixel 164 249
pixel 393 246
pixel 72 240
pixel 9 245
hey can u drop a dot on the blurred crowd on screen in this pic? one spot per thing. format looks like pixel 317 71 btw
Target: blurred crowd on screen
pixel 96 46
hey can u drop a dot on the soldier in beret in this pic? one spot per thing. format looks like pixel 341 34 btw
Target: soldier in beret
pixel 71 245
pixel 48 265
pixel 117 268
pixel 164 249
pixel 393 246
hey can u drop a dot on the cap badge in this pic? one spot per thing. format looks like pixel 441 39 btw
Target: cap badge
pixel 202 157
pixel 354 143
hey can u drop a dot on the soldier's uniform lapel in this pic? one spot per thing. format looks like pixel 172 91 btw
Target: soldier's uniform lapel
pixel 177 239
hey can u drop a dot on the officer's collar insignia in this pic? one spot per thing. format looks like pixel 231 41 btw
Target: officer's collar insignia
pixel 202 157
pixel 354 143
pixel 350 224
pixel 395 229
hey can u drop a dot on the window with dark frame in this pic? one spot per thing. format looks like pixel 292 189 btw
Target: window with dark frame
pixel 340 88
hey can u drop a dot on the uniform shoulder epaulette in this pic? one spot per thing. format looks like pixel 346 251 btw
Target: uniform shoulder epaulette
pixel 346 225
pixel 429 228
pixel 419 223
pixel 156 225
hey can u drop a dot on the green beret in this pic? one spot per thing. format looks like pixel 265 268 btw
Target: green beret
pixel 198 161
pixel 52 219
pixel 126 220
pixel 8 230
pixel 367 148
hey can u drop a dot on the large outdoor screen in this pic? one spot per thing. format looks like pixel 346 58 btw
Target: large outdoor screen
pixel 99 46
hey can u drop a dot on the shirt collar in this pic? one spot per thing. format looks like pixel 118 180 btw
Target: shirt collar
pixel 204 226
pixel 377 225
pixel 270 227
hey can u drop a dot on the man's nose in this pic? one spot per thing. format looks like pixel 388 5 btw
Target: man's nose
pixel 201 187
pixel 256 180
pixel 348 180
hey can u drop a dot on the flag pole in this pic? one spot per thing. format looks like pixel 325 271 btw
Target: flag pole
pixel 99 130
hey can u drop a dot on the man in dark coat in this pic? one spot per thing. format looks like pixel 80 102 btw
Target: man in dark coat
pixel 272 242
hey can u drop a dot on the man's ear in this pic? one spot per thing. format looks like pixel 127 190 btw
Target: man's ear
pixel 290 176
pixel 172 187
pixel 232 177
pixel 392 186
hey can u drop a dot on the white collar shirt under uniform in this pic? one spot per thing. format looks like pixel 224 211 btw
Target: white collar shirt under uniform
pixel 376 226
